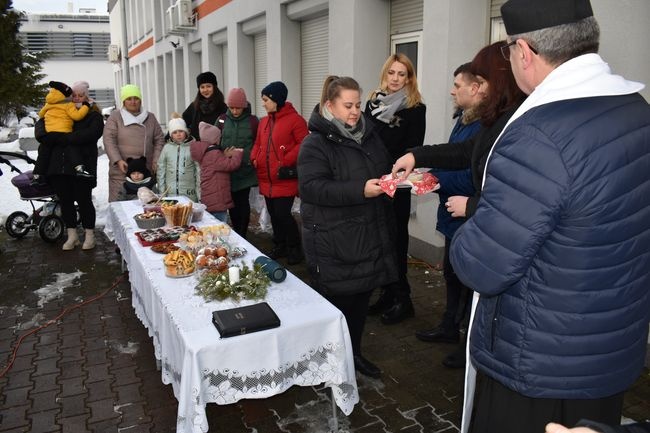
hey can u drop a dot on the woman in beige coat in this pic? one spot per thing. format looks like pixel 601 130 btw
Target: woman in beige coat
pixel 130 132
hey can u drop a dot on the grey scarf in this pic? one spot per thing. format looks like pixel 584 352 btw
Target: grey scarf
pixel 384 106
pixel 355 132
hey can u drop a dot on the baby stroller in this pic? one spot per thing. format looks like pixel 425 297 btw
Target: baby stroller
pixel 46 218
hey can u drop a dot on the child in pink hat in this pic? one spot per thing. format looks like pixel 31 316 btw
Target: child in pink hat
pixel 216 165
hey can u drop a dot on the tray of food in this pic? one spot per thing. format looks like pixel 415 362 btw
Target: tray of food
pixel 157 206
pixel 179 263
pixel 149 220
pixel 213 258
pixel 150 237
pixel 164 248
pixel 177 214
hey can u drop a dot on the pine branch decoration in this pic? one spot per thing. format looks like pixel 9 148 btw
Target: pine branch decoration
pixel 253 284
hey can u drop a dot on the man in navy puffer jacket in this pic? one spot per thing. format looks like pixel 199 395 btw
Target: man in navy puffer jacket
pixel 558 248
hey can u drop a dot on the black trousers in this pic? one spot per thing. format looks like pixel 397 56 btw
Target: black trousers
pixel 355 309
pixel 240 215
pixel 498 409
pixel 402 209
pixel 459 296
pixel 71 189
pixel 285 228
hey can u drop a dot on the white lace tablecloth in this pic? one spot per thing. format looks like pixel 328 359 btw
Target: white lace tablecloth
pixel 311 347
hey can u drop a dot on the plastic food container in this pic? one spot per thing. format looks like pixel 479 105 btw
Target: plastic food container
pixel 197 211
pixel 157 206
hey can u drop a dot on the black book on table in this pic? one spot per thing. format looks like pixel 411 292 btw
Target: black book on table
pixel 244 320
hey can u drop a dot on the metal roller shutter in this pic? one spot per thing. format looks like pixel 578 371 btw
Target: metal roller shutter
pixel 224 67
pixel 406 16
pixel 260 72
pixel 314 48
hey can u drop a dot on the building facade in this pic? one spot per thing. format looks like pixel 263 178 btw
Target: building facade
pixel 77 44
pixel 248 43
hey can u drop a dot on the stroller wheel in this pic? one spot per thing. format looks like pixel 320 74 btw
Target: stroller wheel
pixel 51 228
pixel 17 224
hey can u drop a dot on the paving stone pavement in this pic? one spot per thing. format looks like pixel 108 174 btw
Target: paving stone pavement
pixel 94 370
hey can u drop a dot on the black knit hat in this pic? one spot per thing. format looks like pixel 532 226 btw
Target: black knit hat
pixel 277 92
pixel 139 165
pixel 61 87
pixel 206 77
pixel 523 16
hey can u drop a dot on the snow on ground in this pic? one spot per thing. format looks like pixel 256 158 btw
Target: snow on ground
pixel 4 134
pixel 13 146
pixel 26 132
pixel 55 289
pixel 10 200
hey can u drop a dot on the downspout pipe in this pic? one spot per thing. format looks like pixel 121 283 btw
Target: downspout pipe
pixel 126 73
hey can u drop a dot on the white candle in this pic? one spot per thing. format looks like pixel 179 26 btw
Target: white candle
pixel 233 274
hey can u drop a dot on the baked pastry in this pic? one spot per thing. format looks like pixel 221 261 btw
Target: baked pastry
pixel 164 248
pixel 179 263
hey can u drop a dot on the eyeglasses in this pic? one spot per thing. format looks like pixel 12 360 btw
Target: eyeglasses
pixel 505 49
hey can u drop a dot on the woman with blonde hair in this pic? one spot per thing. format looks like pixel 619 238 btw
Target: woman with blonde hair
pixel 398 113
pixel 347 220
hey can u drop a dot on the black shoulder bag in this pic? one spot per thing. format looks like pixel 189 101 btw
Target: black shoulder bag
pixel 284 171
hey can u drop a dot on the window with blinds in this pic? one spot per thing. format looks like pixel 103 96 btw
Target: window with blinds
pixel 314 47
pixel 61 45
pixel 497 29
pixel 406 16
pixel 104 97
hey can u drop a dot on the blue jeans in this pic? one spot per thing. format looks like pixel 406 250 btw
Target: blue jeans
pixel 220 215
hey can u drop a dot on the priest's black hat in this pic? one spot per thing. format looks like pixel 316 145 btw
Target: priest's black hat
pixel 523 16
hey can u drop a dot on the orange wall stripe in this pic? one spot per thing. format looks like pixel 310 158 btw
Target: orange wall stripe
pixel 202 10
pixel 209 6
pixel 140 48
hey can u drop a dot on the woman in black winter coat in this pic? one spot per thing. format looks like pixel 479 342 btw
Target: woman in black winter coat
pixel 61 174
pixel 208 105
pixel 347 221
pixel 397 111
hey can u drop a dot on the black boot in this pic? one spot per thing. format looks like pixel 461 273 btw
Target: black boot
pixel 294 256
pixel 365 367
pixel 441 334
pixel 456 359
pixel 279 251
pixel 401 311
pixel 385 301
